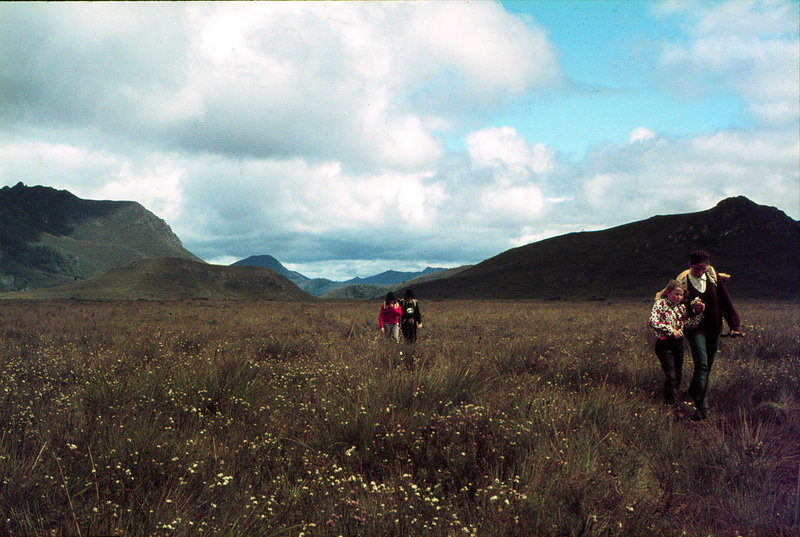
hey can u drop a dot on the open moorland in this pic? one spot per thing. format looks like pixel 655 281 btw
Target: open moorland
pixel 283 418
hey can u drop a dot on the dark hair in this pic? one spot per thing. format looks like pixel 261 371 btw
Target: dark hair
pixel 409 294
pixel 390 297
pixel 699 256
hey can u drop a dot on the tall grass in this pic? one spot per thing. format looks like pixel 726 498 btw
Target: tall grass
pixel 270 418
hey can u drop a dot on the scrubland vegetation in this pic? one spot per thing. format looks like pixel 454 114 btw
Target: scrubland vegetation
pixel 272 419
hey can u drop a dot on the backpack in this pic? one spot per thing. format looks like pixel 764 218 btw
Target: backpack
pixel 409 308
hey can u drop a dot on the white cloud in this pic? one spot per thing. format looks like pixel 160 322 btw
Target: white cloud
pixel 512 204
pixel 640 134
pixel 634 181
pixel 503 147
pixel 482 42
pixel 751 47
pixel 316 80
pixel 153 181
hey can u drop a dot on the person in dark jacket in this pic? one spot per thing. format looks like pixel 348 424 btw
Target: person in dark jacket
pixel 707 294
pixel 412 318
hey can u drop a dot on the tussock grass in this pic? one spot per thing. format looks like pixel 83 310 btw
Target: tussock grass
pixel 272 418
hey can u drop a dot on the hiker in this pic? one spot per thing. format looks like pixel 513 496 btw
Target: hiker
pixel 412 318
pixel 667 320
pixel 389 317
pixel 707 293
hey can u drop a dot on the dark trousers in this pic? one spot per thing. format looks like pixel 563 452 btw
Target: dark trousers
pixel 670 354
pixel 704 349
pixel 409 330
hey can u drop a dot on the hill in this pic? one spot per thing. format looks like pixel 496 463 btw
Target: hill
pixel 355 292
pixel 319 286
pixel 50 237
pixel 758 245
pixel 269 262
pixel 175 279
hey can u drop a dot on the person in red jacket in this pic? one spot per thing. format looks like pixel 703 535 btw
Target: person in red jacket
pixel 389 318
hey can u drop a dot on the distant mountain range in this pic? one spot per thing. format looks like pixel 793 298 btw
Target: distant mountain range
pixel 353 288
pixel 55 245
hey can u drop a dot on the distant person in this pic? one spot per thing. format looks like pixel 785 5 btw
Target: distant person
pixel 389 318
pixel 412 318
pixel 707 294
pixel 667 320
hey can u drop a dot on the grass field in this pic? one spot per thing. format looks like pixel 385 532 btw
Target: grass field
pixel 271 419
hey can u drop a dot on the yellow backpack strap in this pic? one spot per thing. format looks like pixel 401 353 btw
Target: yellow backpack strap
pixel 711 272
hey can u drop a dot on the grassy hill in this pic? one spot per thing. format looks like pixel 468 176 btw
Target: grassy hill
pixel 758 245
pixel 175 279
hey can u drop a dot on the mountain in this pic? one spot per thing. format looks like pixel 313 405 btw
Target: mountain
pixel 50 237
pixel 170 278
pixel 758 245
pixel 391 277
pixel 373 291
pixel 359 287
pixel 269 262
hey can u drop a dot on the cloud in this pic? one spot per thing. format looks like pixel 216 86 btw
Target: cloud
pixel 641 133
pixel 662 174
pixel 320 81
pixel 751 47
pixel 503 147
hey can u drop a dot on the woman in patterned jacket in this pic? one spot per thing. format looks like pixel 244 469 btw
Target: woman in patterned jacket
pixel 667 319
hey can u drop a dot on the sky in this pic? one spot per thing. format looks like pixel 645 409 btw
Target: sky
pixel 349 138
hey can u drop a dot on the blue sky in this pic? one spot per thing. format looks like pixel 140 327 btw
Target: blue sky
pixel 348 138
pixel 608 53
